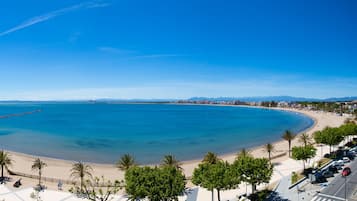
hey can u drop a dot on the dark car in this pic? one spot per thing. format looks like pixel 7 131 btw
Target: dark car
pixel 333 169
pixel 318 178
pixel 351 156
pixel 327 173
pixel 346 171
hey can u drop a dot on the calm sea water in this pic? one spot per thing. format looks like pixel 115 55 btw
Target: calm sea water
pixel 103 132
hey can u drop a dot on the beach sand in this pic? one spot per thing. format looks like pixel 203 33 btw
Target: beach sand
pixel 60 169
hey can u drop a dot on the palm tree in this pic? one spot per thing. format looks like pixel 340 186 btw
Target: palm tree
pixel 288 136
pixel 126 162
pixel 80 170
pixel 171 161
pixel 39 165
pixel 211 158
pixel 269 148
pixel 305 139
pixel 5 161
pixel 243 153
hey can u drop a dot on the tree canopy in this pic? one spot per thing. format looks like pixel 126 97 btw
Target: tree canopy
pixel 218 176
pixel 210 158
pixel 125 162
pixel 171 161
pixel 254 171
pixel 303 153
pixel 96 189
pixel 329 136
pixel 154 184
pixel 5 161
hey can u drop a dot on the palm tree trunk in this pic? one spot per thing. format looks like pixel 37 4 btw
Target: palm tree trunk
pixel 81 184
pixel 212 194
pixel 219 194
pixel 253 188
pixel 269 155
pixel 2 171
pixel 289 148
pixel 39 178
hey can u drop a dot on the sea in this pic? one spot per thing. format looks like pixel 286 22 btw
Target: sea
pixel 103 132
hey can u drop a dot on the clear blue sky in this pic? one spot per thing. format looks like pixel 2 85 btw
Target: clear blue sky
pixel 177 49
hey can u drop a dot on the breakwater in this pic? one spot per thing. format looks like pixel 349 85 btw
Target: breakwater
pixel 19 114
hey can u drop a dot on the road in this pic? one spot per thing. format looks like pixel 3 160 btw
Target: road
pixel 336 188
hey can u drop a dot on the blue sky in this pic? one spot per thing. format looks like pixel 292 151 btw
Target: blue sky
pixel 177 49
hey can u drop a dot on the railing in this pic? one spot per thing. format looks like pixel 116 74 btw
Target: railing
pixel 47 179
pixel 279 155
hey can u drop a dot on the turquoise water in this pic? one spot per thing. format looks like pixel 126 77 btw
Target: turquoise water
pixel 103 132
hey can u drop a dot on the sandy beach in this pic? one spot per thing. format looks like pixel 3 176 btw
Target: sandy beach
pixel 60 169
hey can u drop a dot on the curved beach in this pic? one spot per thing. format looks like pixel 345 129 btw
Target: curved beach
pixel 60 169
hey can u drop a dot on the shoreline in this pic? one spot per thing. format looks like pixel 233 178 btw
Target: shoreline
pixel 60 168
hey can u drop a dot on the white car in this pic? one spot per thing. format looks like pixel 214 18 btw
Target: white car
pixel 353 149
pixel 339 163
pixel 346 160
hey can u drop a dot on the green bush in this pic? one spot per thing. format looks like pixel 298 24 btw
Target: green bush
pixel 294 177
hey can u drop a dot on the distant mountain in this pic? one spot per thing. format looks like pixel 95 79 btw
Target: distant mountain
pixel 350 98
pixel 272 98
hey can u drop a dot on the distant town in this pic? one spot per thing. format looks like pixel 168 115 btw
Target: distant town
pixel 339 107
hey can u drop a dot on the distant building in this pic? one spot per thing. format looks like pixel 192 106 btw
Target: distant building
pixel 283 104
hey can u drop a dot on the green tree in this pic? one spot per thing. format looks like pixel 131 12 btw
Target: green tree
pixel 5 161
pixel 97 189
pixel 269 148
pixel 136 182
pixel 329 136
pixel 253 171
pixel 79 171
pixel 305 139
pixel 288 136
pixel 211 158
pixel 171 161
pixel 348 129
pixel 39 165
pixel 217 176
pixel 126 161
pixel 155 184
pixel 303 153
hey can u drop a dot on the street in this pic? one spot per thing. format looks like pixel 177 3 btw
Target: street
pixel 336 188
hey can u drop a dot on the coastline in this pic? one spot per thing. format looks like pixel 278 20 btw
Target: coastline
pixel 60 169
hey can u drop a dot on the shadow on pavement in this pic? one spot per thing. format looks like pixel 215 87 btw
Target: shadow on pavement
pixel 274 196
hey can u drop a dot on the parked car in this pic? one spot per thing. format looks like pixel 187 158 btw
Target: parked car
pixel 346 160
pixel 333 168
pixel 327 173
pixel 353 149
pixel 346 171
pixel 340 162
pixel 338 166
pixel 318 178
pixel 350 155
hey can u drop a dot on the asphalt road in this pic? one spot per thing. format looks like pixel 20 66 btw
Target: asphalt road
pixel 336 187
